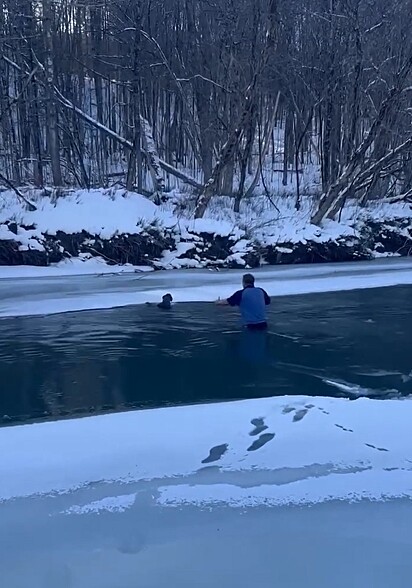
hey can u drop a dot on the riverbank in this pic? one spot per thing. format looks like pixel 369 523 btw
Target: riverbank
pixel 114 228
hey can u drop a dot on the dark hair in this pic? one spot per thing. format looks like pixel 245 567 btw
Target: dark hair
pixel 249 280
pixel 168 297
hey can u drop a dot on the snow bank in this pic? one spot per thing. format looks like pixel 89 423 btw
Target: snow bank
pixel 289 450
pixel 98 212
pixel 105 215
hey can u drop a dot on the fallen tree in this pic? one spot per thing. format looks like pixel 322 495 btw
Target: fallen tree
pixel 167 167
pixel 153 160
pixel 30 206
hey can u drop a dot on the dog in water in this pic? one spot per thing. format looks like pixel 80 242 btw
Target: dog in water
pixel 166 303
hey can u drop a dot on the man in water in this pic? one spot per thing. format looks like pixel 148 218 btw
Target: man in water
pixel 252 303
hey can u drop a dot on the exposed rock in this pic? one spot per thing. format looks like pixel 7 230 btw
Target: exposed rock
pixel 12 254
pixel 389 236
pixel 210 250
pixel 314 252
pixel 12 227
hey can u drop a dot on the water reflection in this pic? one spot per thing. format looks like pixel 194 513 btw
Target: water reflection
pixel 254 346
pixel 352 343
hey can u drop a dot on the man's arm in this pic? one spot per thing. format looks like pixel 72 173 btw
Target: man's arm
pixel 222 302
pixel 267 297
pixel 233 300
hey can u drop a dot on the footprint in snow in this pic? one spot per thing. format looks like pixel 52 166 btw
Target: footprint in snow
pixel 259 425
pixel 344 428
pixel 263 439
pixel 216 453
pixel 377 448
pixel 300 414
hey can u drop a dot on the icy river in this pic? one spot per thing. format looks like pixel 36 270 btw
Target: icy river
pixel 264 459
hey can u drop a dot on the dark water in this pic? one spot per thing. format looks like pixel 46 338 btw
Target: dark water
pixel 335 344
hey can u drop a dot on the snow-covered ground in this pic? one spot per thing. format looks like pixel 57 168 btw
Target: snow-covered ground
pixel 106 214
pixel 50 293
pixel 109 212
pixel 310 492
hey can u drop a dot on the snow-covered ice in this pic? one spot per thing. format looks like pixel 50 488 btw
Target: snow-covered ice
pixel 289 449
pixel 80 266
pixel 49 293
pixel 303 491
pixel 104 500
pixel 110 504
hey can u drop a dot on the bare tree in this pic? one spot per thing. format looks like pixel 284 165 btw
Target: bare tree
pixel 51 111
pixel 158 92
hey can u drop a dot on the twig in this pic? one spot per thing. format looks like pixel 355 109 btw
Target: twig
pixel 8 183
pixel 199 76
pixel 100 254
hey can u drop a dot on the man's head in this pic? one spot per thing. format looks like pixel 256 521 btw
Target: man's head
pixel 248 280
pixel 167 298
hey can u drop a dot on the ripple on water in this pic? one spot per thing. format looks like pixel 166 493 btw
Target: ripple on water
pixel 137 357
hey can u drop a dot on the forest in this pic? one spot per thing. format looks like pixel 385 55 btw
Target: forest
pixel 209 94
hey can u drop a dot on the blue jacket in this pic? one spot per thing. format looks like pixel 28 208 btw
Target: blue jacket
pixel 252 302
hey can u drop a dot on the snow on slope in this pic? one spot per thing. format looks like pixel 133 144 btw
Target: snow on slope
pixel 105 213
pixel 287 450
pixel 98 212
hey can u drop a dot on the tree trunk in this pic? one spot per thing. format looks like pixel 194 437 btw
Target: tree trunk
pixel 225 155
pixel 287 146
pixel 153 161
pixel 51 109
pixel 245 157
pixel 267 139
